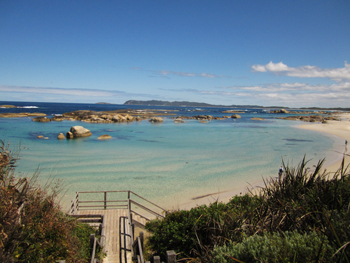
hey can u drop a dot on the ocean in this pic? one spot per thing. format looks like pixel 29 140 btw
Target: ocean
pixel 171 164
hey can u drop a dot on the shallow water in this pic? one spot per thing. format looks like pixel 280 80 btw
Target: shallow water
pixel 167 163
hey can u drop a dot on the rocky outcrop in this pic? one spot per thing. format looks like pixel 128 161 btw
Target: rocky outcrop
pixel 58 118
pixel 156 119
pixel 21 115
pixel 236 116
pixel 310 118
pixel 7 106
pixel 301 112
pixel 69 135
pixel 41 119
pixel 100 117
pixel 257 119
pixel 104 137
pixel 203 117
pixel 78 131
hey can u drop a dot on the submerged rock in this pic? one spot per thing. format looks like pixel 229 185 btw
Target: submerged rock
pixel 58 118
pixel 41 119
pixel 178 120
pixel 104 137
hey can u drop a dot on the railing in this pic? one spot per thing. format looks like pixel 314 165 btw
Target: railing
pixel 124 239
pixel 89 200
pixel 137 252
pixel 137 249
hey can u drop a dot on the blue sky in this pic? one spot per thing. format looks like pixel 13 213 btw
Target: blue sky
pixel 288 53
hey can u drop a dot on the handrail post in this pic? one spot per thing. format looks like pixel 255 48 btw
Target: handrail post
pixel 92 247
pixel 105 200
pixel 77 201
pixel 130 226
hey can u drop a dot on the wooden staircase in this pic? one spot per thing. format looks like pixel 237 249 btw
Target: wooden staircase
pixel 117 238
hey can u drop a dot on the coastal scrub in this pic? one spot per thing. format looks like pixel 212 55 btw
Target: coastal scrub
pixel 301 217
pixel 32 226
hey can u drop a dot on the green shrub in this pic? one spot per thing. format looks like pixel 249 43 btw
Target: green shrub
pixel 195 232
pixel 303 200
pixel 274 248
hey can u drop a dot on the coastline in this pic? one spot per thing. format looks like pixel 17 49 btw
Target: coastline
pixel 340 129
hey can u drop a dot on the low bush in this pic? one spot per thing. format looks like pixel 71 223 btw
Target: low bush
pixel 196 232
pixel 276 248
pixel 32 226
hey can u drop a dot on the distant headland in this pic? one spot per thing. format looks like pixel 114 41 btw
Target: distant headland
pixel 202 104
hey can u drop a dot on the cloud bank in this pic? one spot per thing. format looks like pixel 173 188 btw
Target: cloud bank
pixel 336 74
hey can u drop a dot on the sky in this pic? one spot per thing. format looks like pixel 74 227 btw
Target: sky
pixel 222 52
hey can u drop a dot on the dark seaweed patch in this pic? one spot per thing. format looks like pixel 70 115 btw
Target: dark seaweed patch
pixel 148 141
pixel 296 140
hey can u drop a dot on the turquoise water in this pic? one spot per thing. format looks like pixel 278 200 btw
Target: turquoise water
pixel 167 163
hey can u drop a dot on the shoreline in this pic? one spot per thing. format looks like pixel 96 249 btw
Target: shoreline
pixel 339 129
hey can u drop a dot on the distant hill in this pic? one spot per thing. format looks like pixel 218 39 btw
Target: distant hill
pixel 189 104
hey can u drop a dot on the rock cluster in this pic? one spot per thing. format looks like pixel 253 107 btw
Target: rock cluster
pixel 279 111
pixel 301 112
pixel 21 114
pixel 178 120
pixel 41 119
pixel 310 118
pixel 100 117
pixel 156 119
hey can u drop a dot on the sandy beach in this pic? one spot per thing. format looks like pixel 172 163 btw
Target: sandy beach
pixel 340 129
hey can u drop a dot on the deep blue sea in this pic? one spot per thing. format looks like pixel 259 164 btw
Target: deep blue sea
pixel 168 163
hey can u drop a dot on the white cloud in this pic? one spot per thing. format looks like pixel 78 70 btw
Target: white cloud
pixel 336 74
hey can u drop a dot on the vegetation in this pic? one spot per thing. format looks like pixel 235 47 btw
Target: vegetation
pixel 32 226
pixel 302 217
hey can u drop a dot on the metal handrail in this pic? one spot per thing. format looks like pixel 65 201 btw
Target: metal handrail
pixel 105 204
